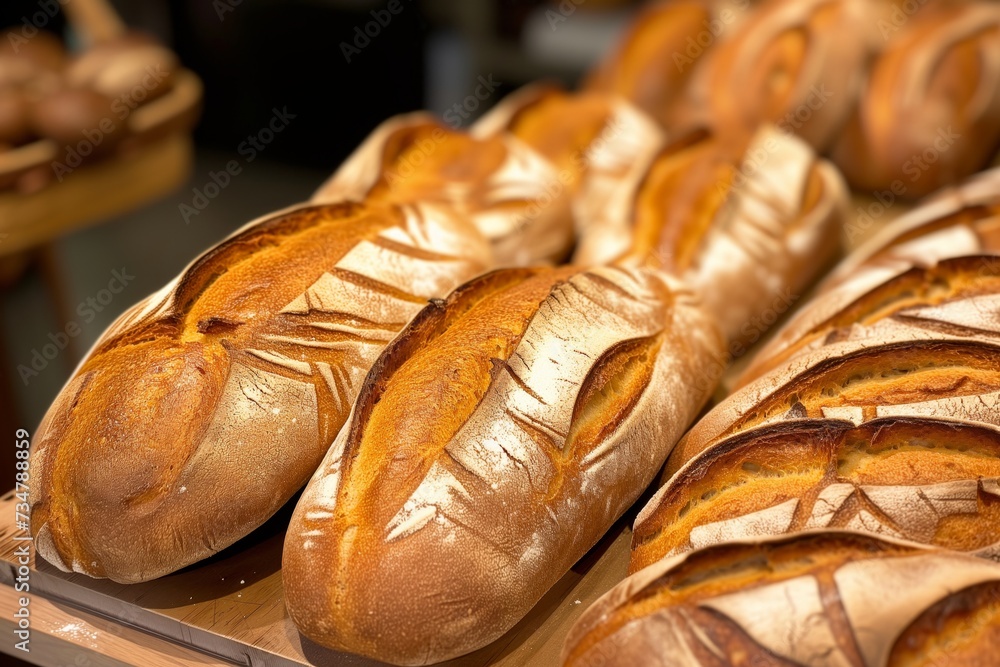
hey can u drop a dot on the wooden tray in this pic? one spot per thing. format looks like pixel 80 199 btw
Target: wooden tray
pixel 230 609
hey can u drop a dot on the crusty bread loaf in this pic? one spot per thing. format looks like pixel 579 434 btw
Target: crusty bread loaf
pixel 930 112
pixel 663 45
pixel 915 341
pixel 207 405
pixel 799 64
pixel 897 269
pixel 934 481
pixel 494 442
pixel 599 143
pixel 749 223
pixel 498 182
pixel 829 599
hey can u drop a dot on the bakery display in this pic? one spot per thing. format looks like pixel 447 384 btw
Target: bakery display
pixel 475 349
pixel 218 395
pixel 749 224
pixel 828 598
pixel 495 440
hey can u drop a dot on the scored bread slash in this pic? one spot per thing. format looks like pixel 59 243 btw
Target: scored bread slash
pixel 222 391
pixel 748 222
pixel 825 598
pixel 508 191
pixel 494 442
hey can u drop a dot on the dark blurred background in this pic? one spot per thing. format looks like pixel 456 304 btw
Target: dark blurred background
pixel 257 57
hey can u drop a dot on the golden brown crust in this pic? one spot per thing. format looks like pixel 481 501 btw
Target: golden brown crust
pixel 933 481
pixel 930 112
pixel 834 318
pixel 749 223
pixel 224 389
pixel 498 182
pixel 494 442
pixel 790 64
pixel 832 598
pixel 599 143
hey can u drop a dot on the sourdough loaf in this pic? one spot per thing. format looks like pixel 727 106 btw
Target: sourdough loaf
pixel 494 442
pixel 894 346
pixel 207 405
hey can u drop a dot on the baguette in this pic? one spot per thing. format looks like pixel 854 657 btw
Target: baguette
pixel 497 182
pixel 218 395
pixel 493 443
pixel 829 599
pixel 748 223
pixel 930 112
pixel 799 64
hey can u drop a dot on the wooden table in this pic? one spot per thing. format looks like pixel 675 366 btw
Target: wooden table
pixel 230 610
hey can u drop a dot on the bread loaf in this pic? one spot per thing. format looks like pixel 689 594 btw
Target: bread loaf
pixel 600 144
pixel 829 599
pixel 898 269
pixel 930 112
pixel 931 480
pixel 889 348
pixel 493 443
pixel 749 224
pixel 665 42
pixel 799 64
pixel 207 405
pixel 497 182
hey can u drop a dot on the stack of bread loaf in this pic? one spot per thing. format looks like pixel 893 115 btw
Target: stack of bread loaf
pixel 469 414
